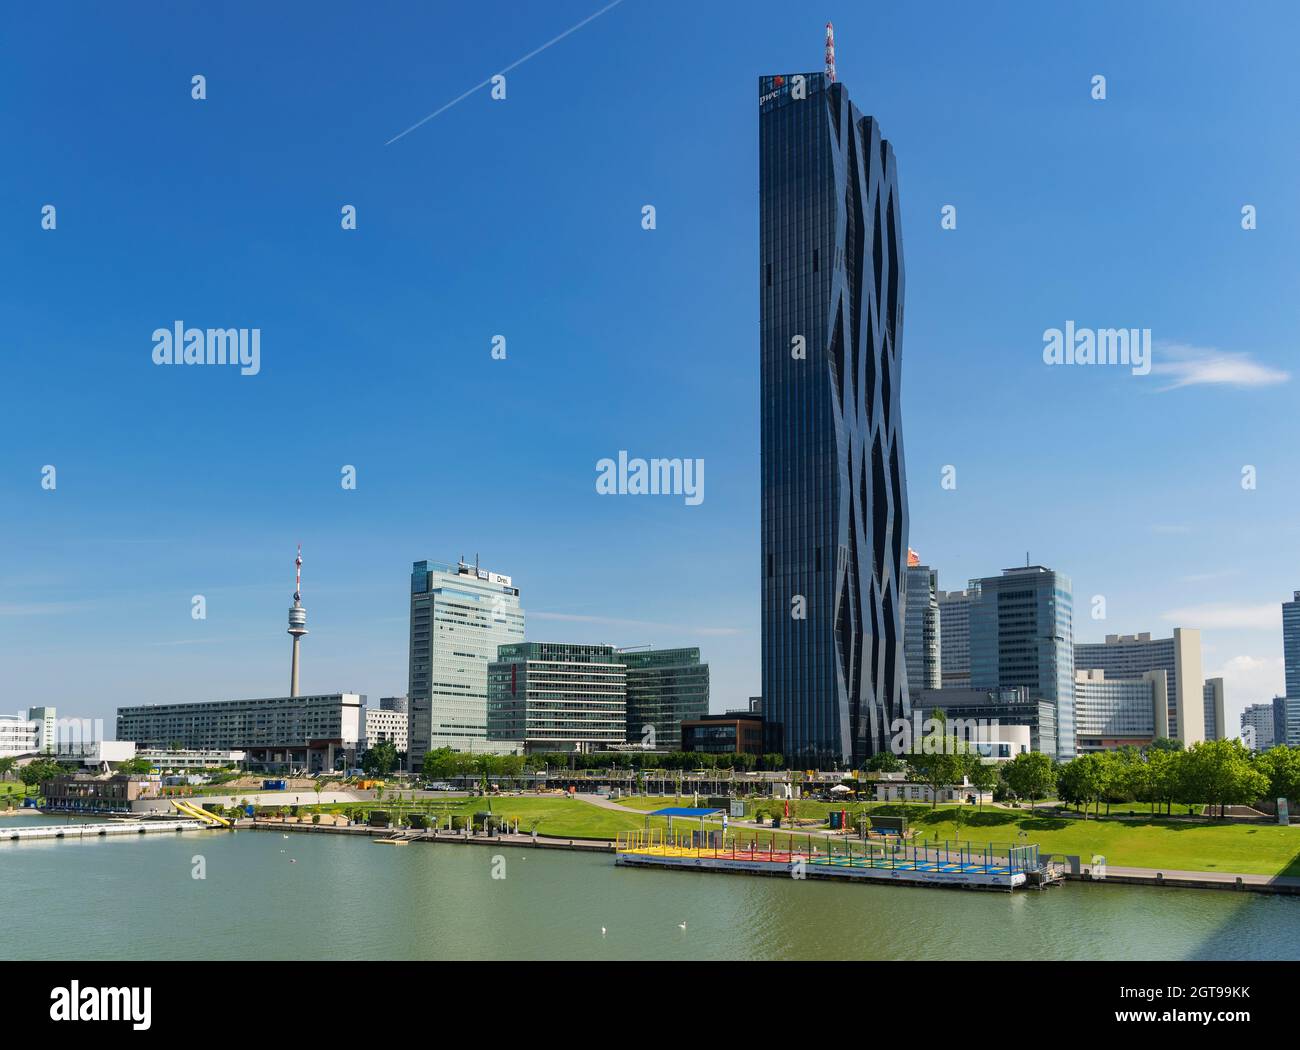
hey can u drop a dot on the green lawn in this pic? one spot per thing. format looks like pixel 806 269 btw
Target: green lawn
pixel 1258 849
pixel 1248 849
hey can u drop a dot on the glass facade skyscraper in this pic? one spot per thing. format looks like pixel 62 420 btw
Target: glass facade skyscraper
pixel 1022 634
pixel 460 614
pixel 1291 645
pixel 834 494
pixel 921 629
pixel 554 696
pixel 665 687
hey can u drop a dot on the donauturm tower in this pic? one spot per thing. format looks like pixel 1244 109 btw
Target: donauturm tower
pixel 834 488
pixel 297 621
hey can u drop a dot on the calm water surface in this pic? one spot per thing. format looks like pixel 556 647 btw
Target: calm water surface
pixel 270 897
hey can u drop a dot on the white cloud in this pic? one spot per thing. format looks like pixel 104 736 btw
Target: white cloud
pixel 1248 680
pixel 1227 617
pixel 1205 366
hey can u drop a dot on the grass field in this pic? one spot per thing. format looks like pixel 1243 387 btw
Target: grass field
pixel 562 817
pixel 1248 849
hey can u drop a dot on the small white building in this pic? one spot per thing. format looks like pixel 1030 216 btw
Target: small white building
pixel 895 787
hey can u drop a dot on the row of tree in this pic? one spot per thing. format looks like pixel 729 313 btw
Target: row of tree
pixel 1215 774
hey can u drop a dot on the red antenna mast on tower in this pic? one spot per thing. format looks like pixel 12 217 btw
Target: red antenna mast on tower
pixel 830 52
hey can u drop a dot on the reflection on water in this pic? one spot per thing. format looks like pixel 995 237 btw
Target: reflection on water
pixel 267 896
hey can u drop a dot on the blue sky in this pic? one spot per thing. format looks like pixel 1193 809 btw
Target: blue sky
pixel 521 217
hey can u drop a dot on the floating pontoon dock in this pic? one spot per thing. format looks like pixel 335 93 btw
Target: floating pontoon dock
pixel 997 867
pixel 84 831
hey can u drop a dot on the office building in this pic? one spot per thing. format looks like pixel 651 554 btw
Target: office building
pixel 385 727
pixel 1257 726
pixel 1214 721
pixel 1022 634
pixel 1291 645
pixel 394 703
pixel 1119 712
pixel 1286 721
pixel 665 687
pixel 735 732
pixel 1132 655
pixel 954 636
pixel 460 614
pixel 315 733
pixel 554 696
pixel 921 628
pixel 833 486
pixel 996 707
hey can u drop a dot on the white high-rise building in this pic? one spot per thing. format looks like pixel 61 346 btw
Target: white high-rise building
pixel 1257 726
pixel 460 614
pixel 1132 655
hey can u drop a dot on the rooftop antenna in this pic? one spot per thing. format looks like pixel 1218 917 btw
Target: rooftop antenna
pixel 830 52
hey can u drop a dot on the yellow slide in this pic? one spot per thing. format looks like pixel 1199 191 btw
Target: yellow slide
pixel 199 813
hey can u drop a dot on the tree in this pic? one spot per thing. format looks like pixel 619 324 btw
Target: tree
pixel 984 776
pixel 39 771
pixel 1030 775
pixel 6 766
pixel 938 760
pixel 381 759
pixel 1220 773
pixel 884 762
pixel 1281 765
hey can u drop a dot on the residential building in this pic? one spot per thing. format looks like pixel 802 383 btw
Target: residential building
pixel 1119 712
pixel 665 687
pixel 1022 634
pixel 460 614
pixel 833 487
pixel 385 727
pixel 1132 655
pixel 725 734
pixel 310 733
pixel 554 696
pixel 1257 726
pixel 921 629
pixel 18 736
pixel 954 636
pixel 47 728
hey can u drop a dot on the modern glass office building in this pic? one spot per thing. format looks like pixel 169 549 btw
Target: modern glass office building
pixel 665 687
pixel 558 697
pixel 1022 634
pixel 1291 645
pixel 460 614
pixel 834 491
pixel 921 630
pixel 954 636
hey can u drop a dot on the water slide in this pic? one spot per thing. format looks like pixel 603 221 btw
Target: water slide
pixel 199 813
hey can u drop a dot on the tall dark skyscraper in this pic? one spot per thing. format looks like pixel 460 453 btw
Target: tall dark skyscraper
pixel 834 514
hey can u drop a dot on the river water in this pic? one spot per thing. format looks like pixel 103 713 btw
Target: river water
pixel 265 896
